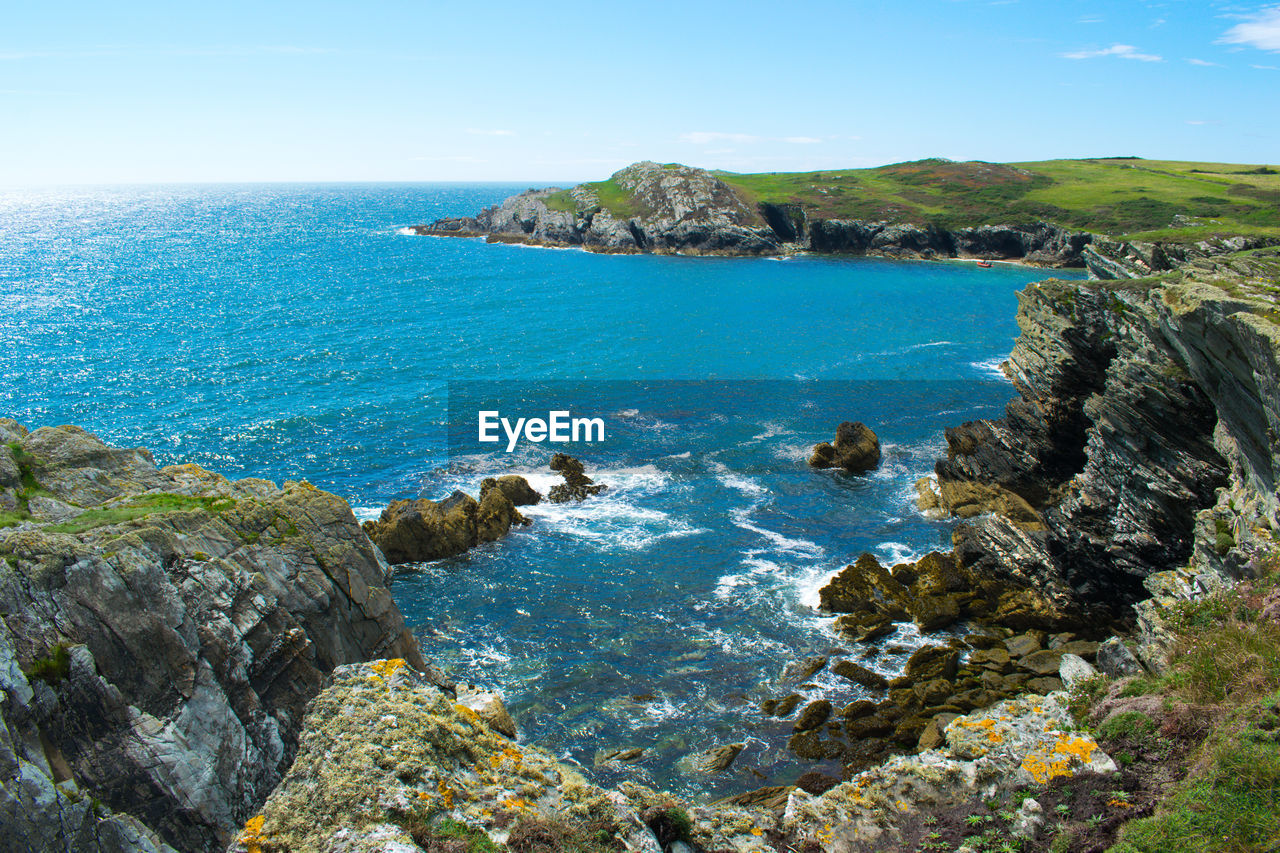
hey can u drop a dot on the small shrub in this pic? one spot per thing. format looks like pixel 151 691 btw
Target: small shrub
pixel 52 669
pixel 1133 725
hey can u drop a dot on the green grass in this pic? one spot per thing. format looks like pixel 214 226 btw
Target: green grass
pixel 52 669
pixel 139 508
pixel 1225 666
pixel 562 201
pixel 1117 197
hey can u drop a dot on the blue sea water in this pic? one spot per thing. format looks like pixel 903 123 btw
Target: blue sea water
pixel 299 332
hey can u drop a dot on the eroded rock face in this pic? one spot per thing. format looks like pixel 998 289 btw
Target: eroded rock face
pixel 856 449
pixel 516 488
pixel 174 629
pixel 422 529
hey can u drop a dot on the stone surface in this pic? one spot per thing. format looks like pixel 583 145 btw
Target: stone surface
pixel 577 485
pixel 410 531
pixel 516 488
pixel 859 674
pixel 1073 669
pixel 194 618
pixel 856 449
pixel 1115 660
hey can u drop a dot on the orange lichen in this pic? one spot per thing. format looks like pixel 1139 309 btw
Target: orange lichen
pixel 387 668
pixel 755 830
pixel 446 794
pixel 469 715
pixel 995 737
pixel 1121 804
pixel 251 836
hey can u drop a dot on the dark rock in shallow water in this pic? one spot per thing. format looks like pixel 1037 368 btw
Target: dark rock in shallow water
pixel 803 670
pixel 859 674
pixel 813 715
pixel 856 449
pixel 422 529
pixel 932 662
pixel 516 488
pixel 577 485
pixel 714 760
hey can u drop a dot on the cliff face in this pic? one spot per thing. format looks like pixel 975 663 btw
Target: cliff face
pixel 161 632
pixel 1143 439
pixel 690 211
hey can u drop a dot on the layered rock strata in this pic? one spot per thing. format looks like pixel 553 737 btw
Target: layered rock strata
pixel 161 632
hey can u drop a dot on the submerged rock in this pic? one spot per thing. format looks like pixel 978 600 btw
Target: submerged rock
pixel 410 531
pixel 577 485
pixel 856 449
pixel 714 760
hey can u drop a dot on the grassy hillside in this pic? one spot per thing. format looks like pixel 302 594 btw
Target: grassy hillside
pixel 1121 197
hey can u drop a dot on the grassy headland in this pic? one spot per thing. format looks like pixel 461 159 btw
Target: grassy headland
pixel 1126 198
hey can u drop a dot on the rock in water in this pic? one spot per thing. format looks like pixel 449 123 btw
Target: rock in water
pixel 856 449
pixel 162 653
pixel 412 531
pixel 714 760
pixel 577 485
pixel 516 488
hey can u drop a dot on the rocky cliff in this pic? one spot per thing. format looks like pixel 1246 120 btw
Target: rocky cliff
pixel 161 633
pixel 1143 439
pixel 670 208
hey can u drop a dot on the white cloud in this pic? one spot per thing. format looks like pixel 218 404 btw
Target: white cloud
pixel 702 137
pixel 801 140
pixel 475 131
pixel 1196 121
pixel 1093 19
pixel 1265 67
pixel 1261 30
pixel 1122 51
pixel 1204 63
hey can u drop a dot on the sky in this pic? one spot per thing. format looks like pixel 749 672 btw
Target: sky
pixel 551 92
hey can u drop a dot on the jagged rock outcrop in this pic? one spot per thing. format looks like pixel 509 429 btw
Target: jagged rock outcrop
pixel 682 209
pixel 411 531
pixel 577 486
pixel 1118 259
pixel 677 209
pixel 856 449
pixel 1142 439
pixel 161 632
pixel 516 488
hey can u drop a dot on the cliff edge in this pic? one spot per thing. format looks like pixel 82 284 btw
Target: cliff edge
pixel 161 633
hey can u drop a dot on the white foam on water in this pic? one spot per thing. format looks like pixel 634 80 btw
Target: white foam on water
pixel 991 367
pixel 756 567
pixel 784 544
pixel 772 429
pixel 892 553
pixel 366 513
pixel 734 480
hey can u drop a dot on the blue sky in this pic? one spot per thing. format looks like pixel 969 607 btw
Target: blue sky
pixel 560 92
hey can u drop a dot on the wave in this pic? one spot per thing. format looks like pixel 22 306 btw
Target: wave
pixel 991 367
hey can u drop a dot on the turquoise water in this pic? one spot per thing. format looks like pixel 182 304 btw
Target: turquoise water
pixel 297 331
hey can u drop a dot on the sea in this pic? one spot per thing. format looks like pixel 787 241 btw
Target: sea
pixel 303 332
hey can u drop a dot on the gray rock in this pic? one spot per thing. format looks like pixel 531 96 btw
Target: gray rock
pixel 803 670
pixel 1029 822
pixel 714 760
pixel 856 449
pixel 1115 660
pixel 1073 669
pixel 176 652
pixel 813 715
pixel 860 674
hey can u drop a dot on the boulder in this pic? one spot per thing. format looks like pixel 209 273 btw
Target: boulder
pixel 803 670
pixel 411 531
pixel 932 662
pixel 859 674
pixel 856 449
pixel 577 485
pixel 714 760
pixel 516 488
pixel 813 715
pixel 489 707
pixel 1115 660
pixel 1073 669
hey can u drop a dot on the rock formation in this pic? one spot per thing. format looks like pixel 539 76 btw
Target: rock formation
pixel 856 449
pixel 162 632
pixel 686 210
pixel 418 530
pixel 577 485
pixel 1141 433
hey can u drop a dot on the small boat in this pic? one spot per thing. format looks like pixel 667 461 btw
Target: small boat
pixel 986 265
